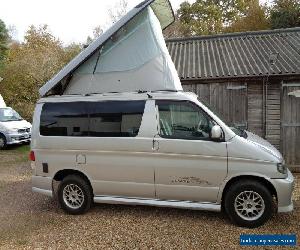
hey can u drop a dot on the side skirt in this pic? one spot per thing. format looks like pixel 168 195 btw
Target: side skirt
pixel 159 203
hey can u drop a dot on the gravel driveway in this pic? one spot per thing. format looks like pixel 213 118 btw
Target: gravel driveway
pixel 32 221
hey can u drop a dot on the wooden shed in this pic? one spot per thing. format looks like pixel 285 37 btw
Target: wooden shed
pixel 252 79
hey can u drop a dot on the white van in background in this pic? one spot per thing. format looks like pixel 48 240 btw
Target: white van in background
pixel 2 102
pixel 13 128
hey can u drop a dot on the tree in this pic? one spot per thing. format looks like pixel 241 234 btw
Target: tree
pixel 97 32
pixel 285 14
pixel 4 37
pixel 255 19
pixel 209 16
pixel 174 30
pixel 30 65
pixel 71 51
pixel 117 11
pixel 12 33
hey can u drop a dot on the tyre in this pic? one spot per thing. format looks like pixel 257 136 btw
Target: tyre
pixel 248 203
pixel 3 143
pixel 74 195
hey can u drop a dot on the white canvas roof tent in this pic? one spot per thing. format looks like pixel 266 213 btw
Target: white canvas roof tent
pixel 130 56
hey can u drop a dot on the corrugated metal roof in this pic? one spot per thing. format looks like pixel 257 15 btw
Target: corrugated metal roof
pixel 247 54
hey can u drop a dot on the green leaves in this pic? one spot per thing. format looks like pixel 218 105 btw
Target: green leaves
pixel 207 17
pixel 285 14
pixel 30 64
pixel 255 19
pixel 3 42
pixel 210 16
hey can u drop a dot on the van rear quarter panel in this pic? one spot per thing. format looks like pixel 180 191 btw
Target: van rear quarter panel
pixel 114 165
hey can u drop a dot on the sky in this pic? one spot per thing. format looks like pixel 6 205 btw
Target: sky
pixel 69 20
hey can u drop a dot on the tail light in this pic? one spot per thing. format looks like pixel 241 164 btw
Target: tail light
pixel 31 156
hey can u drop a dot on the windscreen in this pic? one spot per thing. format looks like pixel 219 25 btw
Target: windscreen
pixel 238 131
pixel 8 114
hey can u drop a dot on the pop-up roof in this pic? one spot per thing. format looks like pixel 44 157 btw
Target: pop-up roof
pixel 130 56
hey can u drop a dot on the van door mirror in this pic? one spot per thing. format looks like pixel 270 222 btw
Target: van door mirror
pixel 216 133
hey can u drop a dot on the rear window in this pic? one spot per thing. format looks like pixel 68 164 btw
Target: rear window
pixel 93 119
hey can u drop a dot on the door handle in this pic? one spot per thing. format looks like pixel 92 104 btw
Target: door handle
pixel 155 145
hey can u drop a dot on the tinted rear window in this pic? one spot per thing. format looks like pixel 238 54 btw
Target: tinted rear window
pixel 94 119
pixel 64 119
pixel 116 119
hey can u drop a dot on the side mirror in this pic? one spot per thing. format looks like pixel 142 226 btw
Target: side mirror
pixel 216 133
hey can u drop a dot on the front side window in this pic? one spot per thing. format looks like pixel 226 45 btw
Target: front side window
pixel 183 120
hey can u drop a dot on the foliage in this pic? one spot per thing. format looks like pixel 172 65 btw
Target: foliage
pixel 3 41
pixel 285 14
pixel 174 30
pixel 31 64
pixel 206 17
pixel 209 16
pixel 255 19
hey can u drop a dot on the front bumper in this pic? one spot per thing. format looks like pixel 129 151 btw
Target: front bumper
pixel 284 189
pixel 17 138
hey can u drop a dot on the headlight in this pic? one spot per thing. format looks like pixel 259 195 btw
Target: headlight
pixel 281 167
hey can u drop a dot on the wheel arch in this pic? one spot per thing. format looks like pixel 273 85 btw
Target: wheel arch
pixel 260 179
pixel 61 174
pixel 2 134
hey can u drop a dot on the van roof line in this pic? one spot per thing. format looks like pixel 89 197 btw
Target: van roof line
pixel 166 91
pixel 181 95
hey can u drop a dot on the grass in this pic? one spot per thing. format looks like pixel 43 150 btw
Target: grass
pixel 14 154
pixel 18 148
pixel 24 151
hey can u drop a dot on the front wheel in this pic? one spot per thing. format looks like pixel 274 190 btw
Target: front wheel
pixel 74 195
pixel 248 203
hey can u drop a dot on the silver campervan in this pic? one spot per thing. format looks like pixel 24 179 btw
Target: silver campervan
pixel 114 126
pixel 161 149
